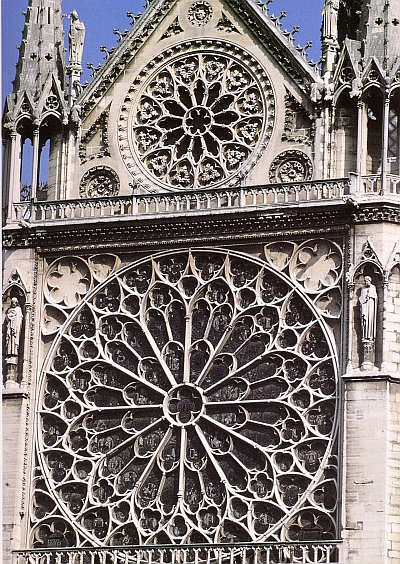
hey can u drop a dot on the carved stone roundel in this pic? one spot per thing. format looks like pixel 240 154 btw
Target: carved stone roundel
pixel 291 166
pixel 198 120
pixel 191 397
pixel 200 13
pixel 99 182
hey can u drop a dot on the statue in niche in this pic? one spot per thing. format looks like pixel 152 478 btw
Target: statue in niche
pixel 13 326
pixel 330 19
pixel 76 39
pixel 14 318
pixel 368 303
pixel 368 308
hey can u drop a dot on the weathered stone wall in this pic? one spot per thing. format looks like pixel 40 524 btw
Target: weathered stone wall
pixel 370 471
pixel 14 486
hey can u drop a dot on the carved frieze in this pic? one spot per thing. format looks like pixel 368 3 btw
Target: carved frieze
pixel 291 166
pixel 98 182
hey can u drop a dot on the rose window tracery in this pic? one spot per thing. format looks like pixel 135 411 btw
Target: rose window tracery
pixel 199 119
pixel 189 398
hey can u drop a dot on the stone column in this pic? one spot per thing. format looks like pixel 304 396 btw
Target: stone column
pixel 35 162
pixel 385 141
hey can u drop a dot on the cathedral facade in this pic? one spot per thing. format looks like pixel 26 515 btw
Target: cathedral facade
pixel 201 293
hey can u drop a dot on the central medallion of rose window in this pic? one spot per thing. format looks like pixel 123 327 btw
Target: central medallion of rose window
pixel 190 398
pixel 184 404
pixel 199 120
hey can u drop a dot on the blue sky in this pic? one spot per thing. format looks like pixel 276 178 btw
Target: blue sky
pixel 102 16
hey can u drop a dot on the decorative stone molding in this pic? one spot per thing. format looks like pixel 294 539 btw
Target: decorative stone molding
pixel 99 126
pixel 225 24
pixel 298 126
pixel 99 181
pixel 199 119
pixel 117 64
pixel 296 65
pixel 291 166
pixel 174 29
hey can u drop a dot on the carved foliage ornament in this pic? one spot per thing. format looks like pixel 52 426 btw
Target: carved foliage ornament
pixel 198 120
pixel 99 182
pixel 189 398
pixel 291 166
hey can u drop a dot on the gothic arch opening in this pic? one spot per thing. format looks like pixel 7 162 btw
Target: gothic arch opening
pixel 50 158
pixel 374 102
pixel 394 133
pixel 26 159
pixel 346 135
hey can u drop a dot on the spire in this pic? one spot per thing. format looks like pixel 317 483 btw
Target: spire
pixel 376 23
pixel 41 53
pixel 380 32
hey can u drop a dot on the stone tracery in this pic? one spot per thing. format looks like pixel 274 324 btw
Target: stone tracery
pixel 190 398
pixel 199 119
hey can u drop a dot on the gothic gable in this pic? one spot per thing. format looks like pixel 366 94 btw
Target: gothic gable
pixel 198 95
pixel 252 17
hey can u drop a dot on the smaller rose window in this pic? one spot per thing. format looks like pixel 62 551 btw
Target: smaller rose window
pixel 199 119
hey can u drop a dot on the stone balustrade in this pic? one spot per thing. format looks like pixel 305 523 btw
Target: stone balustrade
pixel 200 201
pixel 376 185
pixel 265 553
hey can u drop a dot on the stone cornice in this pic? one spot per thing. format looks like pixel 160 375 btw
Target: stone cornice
pixel 372 377
pixel 167 230
pixel 189 230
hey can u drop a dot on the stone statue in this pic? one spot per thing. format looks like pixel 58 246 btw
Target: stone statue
pixel 76 39
pixel 356 88
pixel 330 19
pixel 14 318
pixel 368 308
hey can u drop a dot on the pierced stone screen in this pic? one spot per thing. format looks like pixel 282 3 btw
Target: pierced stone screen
pixel 189 398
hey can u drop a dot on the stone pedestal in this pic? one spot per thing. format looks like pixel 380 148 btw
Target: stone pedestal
pixel 368 355
pixel 11 372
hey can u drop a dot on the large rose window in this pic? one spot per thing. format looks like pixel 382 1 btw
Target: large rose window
pixel 199 119
pixel 189 398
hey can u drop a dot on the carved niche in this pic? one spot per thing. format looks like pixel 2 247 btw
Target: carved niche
pixel 199 119
pixel 99 182
pixel 291 166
